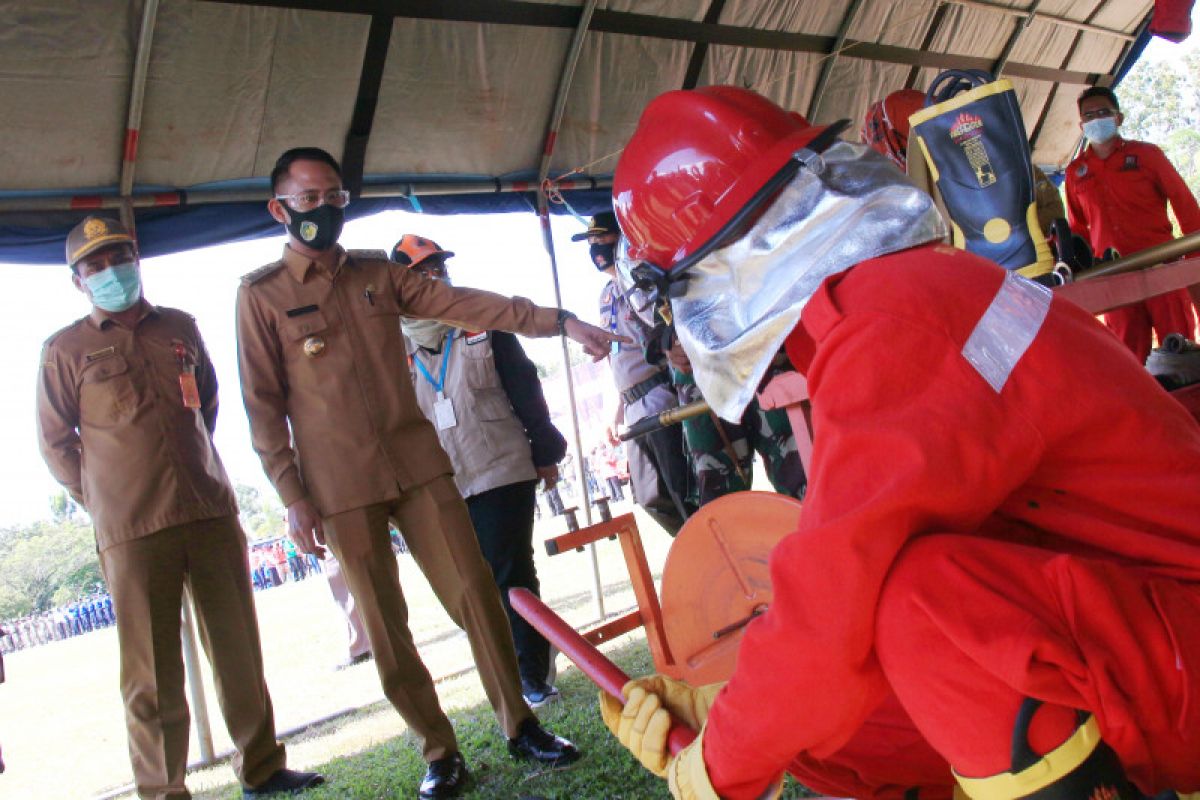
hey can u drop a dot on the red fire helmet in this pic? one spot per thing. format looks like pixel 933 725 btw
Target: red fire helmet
pixel 886 127
pixel 696 159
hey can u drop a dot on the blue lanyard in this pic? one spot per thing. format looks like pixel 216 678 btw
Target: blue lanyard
pixel 447 346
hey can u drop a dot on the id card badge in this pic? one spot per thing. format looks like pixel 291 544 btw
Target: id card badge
pixel 443 413
pixel 188 388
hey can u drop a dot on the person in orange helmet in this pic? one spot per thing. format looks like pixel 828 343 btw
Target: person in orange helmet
pixel 483 395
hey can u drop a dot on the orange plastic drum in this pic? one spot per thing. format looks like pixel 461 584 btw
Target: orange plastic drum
pixel 716 580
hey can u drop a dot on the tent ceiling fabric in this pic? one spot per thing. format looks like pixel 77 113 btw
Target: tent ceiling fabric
pixel 230 86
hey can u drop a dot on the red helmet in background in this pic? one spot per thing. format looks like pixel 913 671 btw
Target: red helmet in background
pixel 696 159
pixel 885 129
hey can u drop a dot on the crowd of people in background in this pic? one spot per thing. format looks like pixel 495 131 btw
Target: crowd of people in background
pixel 73 619
pixel 275 562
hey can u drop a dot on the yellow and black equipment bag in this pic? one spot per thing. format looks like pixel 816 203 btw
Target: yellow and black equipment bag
pixel 973 138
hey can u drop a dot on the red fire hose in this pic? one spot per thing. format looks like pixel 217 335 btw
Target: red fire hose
pixel 591 662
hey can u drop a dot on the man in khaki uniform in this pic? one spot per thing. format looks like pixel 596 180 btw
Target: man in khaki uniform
pixel 127 404
pixel 333 416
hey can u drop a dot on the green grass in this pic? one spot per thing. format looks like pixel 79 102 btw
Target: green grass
pixel 606 772
pixel 62 722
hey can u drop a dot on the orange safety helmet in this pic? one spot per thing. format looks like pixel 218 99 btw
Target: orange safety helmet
pixel 885 129
pixel 700 160
pixel 412 250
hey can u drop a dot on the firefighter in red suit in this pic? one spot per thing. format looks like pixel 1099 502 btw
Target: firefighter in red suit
pixel 1117 195
pixel 994 589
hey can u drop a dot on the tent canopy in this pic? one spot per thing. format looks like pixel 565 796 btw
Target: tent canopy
pixel 175 110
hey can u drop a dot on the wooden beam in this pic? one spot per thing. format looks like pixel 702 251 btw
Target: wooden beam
pixel 935 26
pixel 1021 25
pixel 354 152
pixel 830 59
pixel 700 51
pixel 513 12
pixel 1104 294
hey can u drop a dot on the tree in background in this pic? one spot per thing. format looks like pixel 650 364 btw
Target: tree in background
pixel 46 564
pixel 1161 104
pixel 262 518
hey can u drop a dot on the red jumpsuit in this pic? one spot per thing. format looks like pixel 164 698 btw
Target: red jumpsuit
pixel 968 542
pixel 1121 202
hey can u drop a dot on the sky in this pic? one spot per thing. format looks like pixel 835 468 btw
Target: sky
pixel 501 253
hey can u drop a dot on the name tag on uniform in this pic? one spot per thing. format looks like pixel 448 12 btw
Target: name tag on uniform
pixel 96 355
pixel 443 413
pixel 188 388
pixel 187 376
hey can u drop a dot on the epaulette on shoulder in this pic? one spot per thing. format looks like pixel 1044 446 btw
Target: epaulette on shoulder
pixel 58 334
pixel 262 272
pixel 368 255
pixel 172 311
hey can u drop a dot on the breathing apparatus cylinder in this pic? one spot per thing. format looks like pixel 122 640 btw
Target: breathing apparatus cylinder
pixel 973 137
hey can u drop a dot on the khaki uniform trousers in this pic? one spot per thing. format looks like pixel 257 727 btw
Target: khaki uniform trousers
pixel 146 577
pixel 438 531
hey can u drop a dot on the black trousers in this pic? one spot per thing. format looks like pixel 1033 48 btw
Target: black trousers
pixel 665 449
pixel 503 519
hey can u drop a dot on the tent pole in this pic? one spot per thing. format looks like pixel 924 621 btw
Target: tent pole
pixel 137 93
pixel 543 210
pixel 191 660
pixel 190 198
pixel 133 120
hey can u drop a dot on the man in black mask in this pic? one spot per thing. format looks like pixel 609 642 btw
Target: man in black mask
pixel 333 417
pixel 658 466
pixel 313 217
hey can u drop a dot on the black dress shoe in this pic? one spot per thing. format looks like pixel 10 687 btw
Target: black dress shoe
pixel 445 777
pixel 538 744
pixel 284 781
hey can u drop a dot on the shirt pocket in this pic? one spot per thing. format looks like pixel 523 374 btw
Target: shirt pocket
pixel 493 406
pixel 497 422
pixel 106 391
pixel 480 369
pixel 383 304
pixel 305 338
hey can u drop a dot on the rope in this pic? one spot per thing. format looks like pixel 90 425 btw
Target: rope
pixel 554 195
pixel 891 27
pixel 550 185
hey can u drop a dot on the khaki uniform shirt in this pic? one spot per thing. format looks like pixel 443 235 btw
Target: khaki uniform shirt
pixel 114 431
pixel 324 353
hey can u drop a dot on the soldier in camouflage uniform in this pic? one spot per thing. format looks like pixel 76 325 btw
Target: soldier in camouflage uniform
pixel 722 452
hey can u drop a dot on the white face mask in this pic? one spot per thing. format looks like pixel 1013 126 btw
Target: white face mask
pixel 427 333
pixel 1100 130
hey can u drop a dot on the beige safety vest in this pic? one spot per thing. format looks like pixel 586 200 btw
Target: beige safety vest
pixel 487 445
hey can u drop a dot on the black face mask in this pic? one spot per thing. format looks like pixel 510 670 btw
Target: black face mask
pixel 603 255
pixel 319 228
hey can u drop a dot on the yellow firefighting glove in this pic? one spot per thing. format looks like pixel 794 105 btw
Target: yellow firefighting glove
pixel 642 724
pixel 688 777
